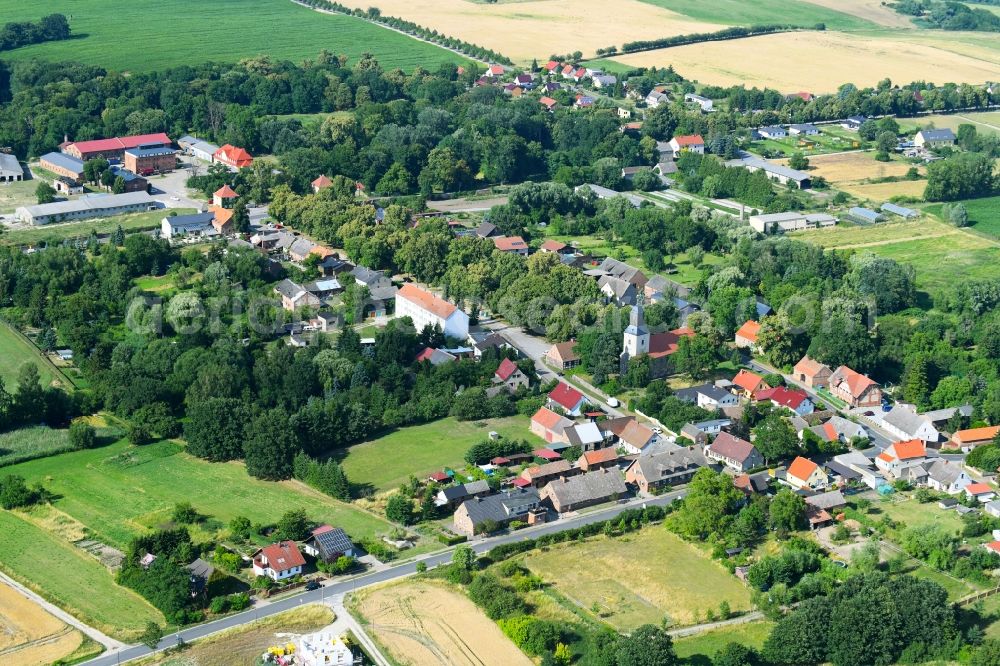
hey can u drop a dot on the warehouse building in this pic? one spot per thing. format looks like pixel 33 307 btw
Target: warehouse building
pixel 87 207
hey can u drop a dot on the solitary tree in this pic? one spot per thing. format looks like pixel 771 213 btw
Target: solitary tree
pixel 45 193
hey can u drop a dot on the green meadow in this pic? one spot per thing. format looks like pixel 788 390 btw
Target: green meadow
pixel 758 12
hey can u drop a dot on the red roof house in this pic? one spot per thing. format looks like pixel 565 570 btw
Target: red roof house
pixel 794 399
pixel 746 336
pixel 548 102
pixel 567 397
pixel 321 182
pixel 546 454
pixel 233 156
pixel 113 147
pixel 749 383
pixel 278 561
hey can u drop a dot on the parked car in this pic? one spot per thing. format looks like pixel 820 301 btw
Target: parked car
pixel 613 402
pixel 313 585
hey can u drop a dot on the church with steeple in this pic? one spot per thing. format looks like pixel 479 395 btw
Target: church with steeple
pixel 637 342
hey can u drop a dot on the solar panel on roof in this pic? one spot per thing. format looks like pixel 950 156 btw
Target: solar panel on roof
pixel 334 541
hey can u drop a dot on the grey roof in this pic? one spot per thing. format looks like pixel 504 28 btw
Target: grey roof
pixel 618 286
pixel 465 490
pixel 126 175
pixel 712 423
pixel 288 288
pixel 899 210
pixel 939 415
pixel 63 160
pixel 503 506
pixel 301 246
pixel 150 152
pixel 663 466
pixel 828 500
pixel 663 284
pixel 865 214
pixel 486 229
pixel 205 147
pixel 96 204
pixel 366 276
pixel 588 487
pixel 773 129
pixel 332 542
pixel 10 163
pixel 583 433
pixel 605 193
pixel 710 391
pixel 944 472
pixel 201 569
pixel 937 134
pixel 905 419
pixel 620 269
pixel 189 222
pixel 804 127
pixel 842 471
pixel 769 167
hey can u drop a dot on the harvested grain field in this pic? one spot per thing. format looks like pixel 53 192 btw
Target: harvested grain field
pixel 426 623
pixel 853 167
pixel 640 579
pixel 818 61
pixel 537 28
pixel 870 10
pixel 880 192
pixel 29 634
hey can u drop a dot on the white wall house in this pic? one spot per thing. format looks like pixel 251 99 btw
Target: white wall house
pixel 426 309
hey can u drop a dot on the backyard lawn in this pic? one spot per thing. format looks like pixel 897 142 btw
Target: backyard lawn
pixel 72 579
pixel 113 34
pixel 119 491
pixel 59 232
pixel 707 644
pixel 14 351
pixel 388 461
pixel 639 579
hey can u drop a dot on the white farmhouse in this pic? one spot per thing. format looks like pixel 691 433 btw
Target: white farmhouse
pixel 426 309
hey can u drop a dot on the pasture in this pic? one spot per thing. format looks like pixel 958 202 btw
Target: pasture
pixel 707 644
pixel 820 61
pixel 154 36
pixel 537 28
pixel 640 579
pixel 740 12
pixel 984 215
pixel 56 233
pixel 72 579
pixel 28 443
pixel 427 623
pixel 386 462
pixel 868 10
pixel 986 122
pixel 14 351
pixel 31 635
pixel 119 490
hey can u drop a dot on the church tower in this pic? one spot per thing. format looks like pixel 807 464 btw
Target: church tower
pixel 636 338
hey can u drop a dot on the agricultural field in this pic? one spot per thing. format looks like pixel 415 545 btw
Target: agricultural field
pixel 853 172
pixel 386 462
pixel 536 28
pixel 54 233
pixel 243 644
pixel 29 443
pixel 426 623
pixel 986 122
pixel 72 579
pixel 869 10
pixel 699 646
pixel 984 214
pixel 821 61
pixel 119 490
pixel 940 253
pixel 740 12
pixel 879 193
pixel 221 31
pixel 14 351
pixel 31 635
pixel 640 579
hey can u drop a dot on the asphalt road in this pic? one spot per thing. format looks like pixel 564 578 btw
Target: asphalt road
pixel 359 582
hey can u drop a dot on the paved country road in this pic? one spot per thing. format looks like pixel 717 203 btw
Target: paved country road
pixel 359 582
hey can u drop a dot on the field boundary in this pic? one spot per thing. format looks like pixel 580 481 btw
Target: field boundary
pixel 45 358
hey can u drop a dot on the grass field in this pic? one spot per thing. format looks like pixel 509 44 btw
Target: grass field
pixel 639 579
pixel 120 490
pixel 54 233
pixel 705 645
pixel 869 10
pixel 14 195
pixel 940 253
pixel 984 214
pixel 29 443
pixel 428 623
pixel 987 122
pixel 244 644
pixel 388 461
pixel 829 140
pixel 71 578
pixel 14 351
pixel 821 61
pixel 740 12
pixel 188 32
pixel 914 514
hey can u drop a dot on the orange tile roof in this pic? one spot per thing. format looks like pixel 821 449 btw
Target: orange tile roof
pixel 748 381
pixel 831 433
pixel 322 181
pixel 222 216
pixel 553 246
pixel 225 192
pixel 510 243
pixel 689 140
pixel 667 342
pixel 857 383
pixel 426 301
pixel 978 489
pixel 802 468
pixel 976 434
pixel 600 456
pixel 749 330
pixel 993 545
pixel 809 367
pixel 546 418
pixel 913 448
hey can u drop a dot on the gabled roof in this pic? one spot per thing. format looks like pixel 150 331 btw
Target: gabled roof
pixel 802 468
pixel 689 140
pixel 908 450
pixel 976 434
pixel 509 243
pixel 749 330
pixel 905 419
pixel 637 435
pixel 783 397
pixel 748 381
pixel 225 192
pixel 120 143
pixel 553 246
pixel 322 181
pixel 587 487
pixel 426 301
pixel 667 342
pixel 506 369
pixel 565 396
pixel 978 489
pixel 857 383
pixel 560 466
pixel 283 556
pixel 549 420
pixel 833 499
pixel 584 434
pixel 330 540
pixel 810 367
pixel 944 472
pixel 731 447
pixel 600 456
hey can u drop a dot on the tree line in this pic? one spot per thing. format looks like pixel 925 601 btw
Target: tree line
pixel 49 28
